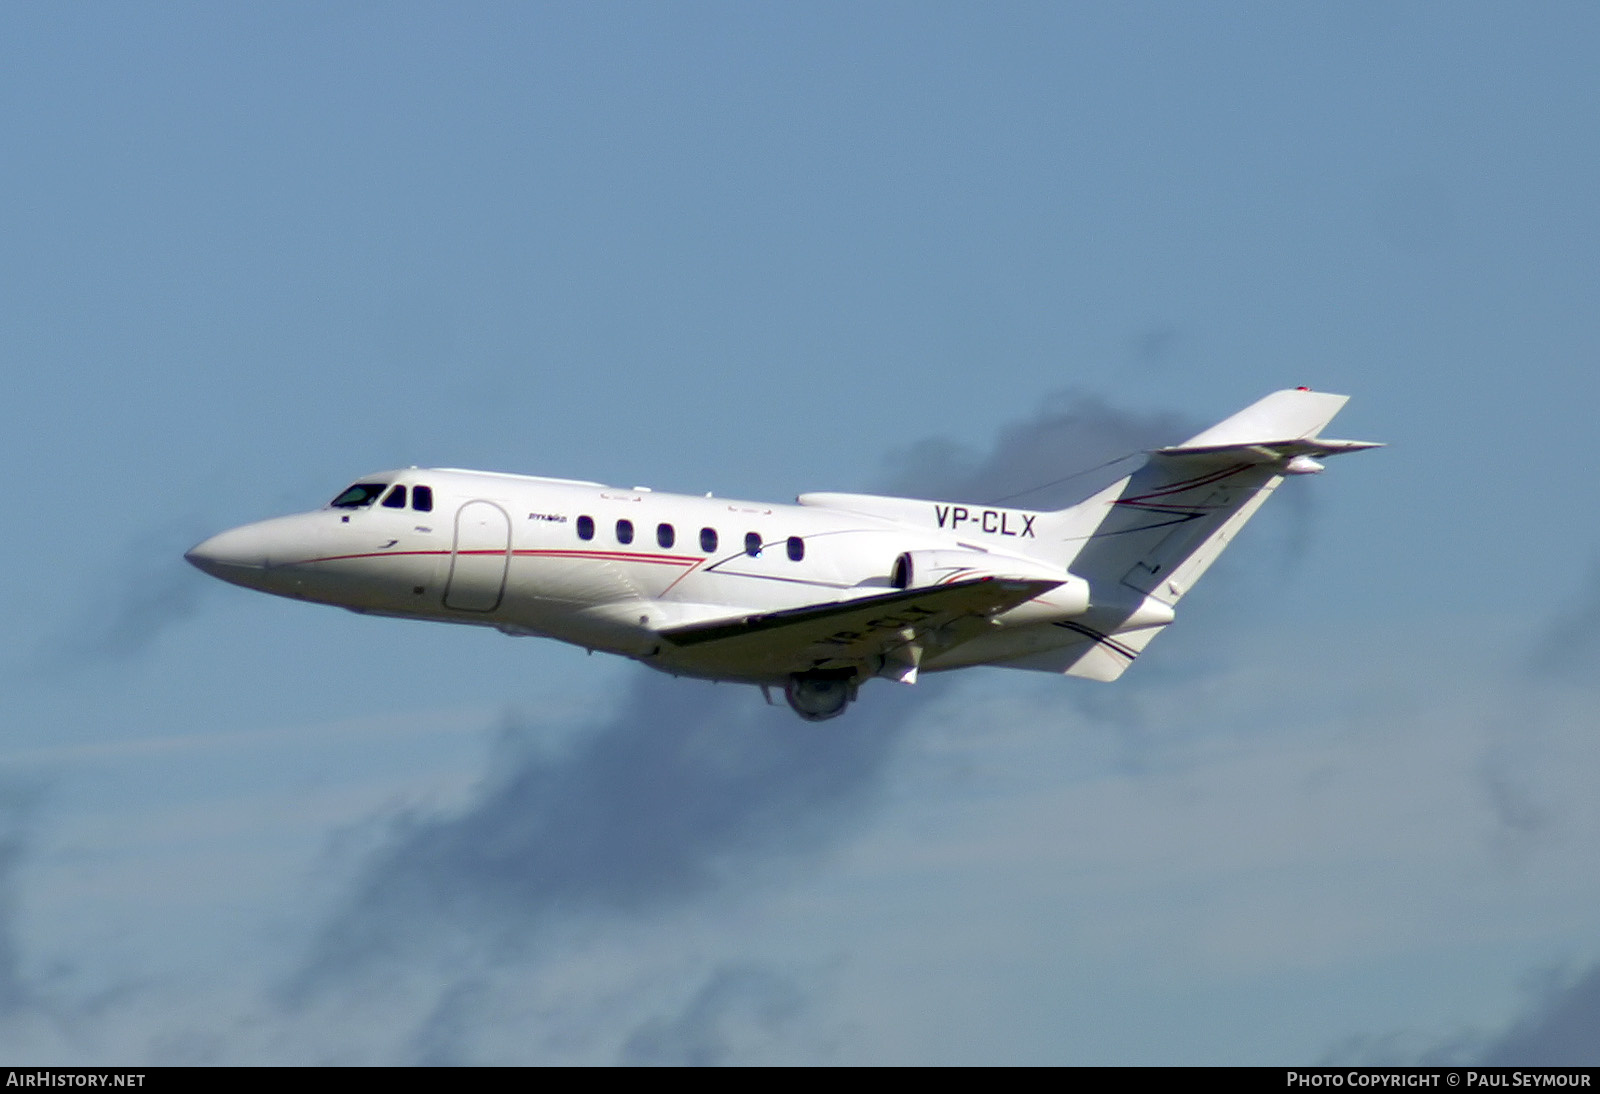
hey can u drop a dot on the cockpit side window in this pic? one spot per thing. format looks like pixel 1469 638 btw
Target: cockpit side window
pixel 422 499
pixel 396 498
pixel 359 496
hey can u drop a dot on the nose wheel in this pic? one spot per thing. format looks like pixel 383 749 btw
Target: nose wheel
pixel 817 696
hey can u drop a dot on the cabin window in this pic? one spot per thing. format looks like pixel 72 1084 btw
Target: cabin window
pixel 665 535
pixel 422 499
pixel 624 531
pixel 752 544
pixel 359 496
pixel 585 527
pixel 797 548
pixel 396 498
pixel 708 540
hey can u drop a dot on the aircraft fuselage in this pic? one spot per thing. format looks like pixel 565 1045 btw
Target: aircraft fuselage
pixel 603 567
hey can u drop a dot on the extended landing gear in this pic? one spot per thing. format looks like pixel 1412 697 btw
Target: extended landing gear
pixel 818 696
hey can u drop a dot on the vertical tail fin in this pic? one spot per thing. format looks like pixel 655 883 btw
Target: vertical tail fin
pixel 1143 542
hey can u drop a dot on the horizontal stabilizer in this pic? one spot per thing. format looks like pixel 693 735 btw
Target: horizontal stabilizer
pixel 1281 427
pixel 1267 451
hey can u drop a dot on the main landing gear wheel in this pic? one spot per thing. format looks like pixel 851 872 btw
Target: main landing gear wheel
pixel 816 696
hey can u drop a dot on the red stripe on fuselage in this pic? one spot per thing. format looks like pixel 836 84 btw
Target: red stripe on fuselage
pixel 604 556
pixel 611 556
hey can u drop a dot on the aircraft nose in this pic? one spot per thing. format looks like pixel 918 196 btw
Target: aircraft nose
pixel 233 555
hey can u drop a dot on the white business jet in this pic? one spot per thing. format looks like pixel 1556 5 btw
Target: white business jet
pixel 815 597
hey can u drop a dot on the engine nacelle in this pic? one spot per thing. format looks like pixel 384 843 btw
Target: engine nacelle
pixel 923 569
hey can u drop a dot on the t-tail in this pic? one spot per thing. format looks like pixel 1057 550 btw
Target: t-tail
pixel 1143 542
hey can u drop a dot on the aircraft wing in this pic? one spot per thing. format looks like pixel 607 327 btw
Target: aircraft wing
pixel 889 633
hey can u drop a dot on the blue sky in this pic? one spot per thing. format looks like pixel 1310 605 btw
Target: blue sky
pixel 1343 810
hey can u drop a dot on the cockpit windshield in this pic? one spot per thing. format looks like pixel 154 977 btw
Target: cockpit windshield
pixel 359 496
